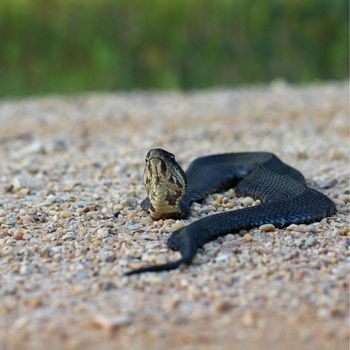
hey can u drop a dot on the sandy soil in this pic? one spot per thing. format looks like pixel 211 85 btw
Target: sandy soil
pixel 70 224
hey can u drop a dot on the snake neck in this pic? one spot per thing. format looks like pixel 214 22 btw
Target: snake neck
pixel 165 199
pixel 161 209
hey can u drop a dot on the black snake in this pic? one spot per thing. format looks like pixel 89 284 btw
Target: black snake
pixel 285 197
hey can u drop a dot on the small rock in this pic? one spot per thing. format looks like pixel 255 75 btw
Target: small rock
pixel 69 236
pixel 106 285
pixel 260 250
pixel 134 227
pixel 249 319
pixel 224 306
pixel 323 313
pixel 34 303
pixel 82 204
pixel 118 207
pixel 66 197
pixel 169 222
pixel 11 219
pixel 177 225
pixel 36 147
pixel 229 205
pixel 27 219
pixel 18 235
pixel 23 192
pixel 102 232
pixel 222 257
pixel 58 145
pixel 230 237
pixel 233 263
pixel 326 183
pixel 344 231
pixel 66 214
pixel 248 237
pixel 22 181
pixel 267 228
pixel 51 227
pixel 7 250
pixel 25 269
pixel 131 215
pixel 219 199
pixel 345 198
pixel 247 201
pixel 310 241
pixel 231 193
pixel 50 199
pixel 128 202
pixel 111 323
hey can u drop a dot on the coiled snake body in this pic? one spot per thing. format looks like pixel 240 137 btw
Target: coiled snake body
pixel 285 197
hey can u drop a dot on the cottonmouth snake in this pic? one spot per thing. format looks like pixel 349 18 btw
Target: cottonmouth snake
pixel 285 197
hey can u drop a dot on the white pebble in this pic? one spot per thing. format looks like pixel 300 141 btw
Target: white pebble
pixel 267 228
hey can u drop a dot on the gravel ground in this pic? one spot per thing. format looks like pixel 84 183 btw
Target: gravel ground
pixel 70 223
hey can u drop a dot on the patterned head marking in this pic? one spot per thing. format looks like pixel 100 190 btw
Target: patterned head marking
pixel 165 183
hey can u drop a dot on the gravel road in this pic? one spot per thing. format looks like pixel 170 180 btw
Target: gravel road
pixel 70 223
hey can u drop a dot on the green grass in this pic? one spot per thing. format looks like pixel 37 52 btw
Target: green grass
pixel 68 46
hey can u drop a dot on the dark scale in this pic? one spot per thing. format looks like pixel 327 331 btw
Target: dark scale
pixel 285 197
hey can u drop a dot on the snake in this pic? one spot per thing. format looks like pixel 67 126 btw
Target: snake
pixel 282 190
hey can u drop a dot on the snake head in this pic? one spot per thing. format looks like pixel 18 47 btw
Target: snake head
pixel 165 183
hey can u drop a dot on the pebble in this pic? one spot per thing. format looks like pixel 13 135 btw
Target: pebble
pixel 50 199
pixel 233 263
pixel 231 193
pixel 326 183
pixel 177 225
pixel 37 147
pixel 224 306
pixel 111 323
pixel 18 235
pixel 27 220
pixel 267 228
pixel 131 215
pixel 229 205
pixel 65 214
pixel 25 182
pixel 345 198
pixel 34 303
pixel 219 198
pixel 249 319
pixel 102 233
pixel 51 227
pixel 7 250
pixel 230 237
pixel 134 226
pixel 247 201
pixel 23 192
pixel 344 231
pixel 248 237
pixel 310 241
pixel 118 207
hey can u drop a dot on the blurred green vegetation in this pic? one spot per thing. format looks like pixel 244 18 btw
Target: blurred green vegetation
pixel 65 46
